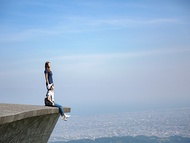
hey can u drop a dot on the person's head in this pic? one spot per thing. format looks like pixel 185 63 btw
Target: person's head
pixel 50 87
pixel 47 65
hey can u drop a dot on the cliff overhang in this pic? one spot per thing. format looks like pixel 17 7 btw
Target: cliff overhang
pixel 27 123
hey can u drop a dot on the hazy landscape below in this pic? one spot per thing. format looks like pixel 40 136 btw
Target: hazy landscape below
pixel 164 125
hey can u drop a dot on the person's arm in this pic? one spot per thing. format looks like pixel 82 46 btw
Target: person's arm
pixel 46 77
pixel 49 98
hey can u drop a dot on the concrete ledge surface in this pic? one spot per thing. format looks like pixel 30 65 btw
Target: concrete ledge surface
pixel 14 112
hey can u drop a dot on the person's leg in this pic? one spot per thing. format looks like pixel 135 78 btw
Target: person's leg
pixel 61 111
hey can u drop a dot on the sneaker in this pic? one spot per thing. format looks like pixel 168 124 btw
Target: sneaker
pixel 67 116
pixel 64 118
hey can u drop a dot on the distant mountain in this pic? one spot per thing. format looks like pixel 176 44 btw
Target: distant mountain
pixel 130 139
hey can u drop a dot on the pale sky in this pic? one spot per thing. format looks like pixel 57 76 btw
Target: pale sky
pixel 107 56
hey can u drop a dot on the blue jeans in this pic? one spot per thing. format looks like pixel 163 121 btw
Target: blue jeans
pixel 61 111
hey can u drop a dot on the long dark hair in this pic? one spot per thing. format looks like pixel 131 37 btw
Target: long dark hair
pixel 46 64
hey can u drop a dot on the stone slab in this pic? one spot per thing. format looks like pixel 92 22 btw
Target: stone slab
pixel 14 112
pixel 27 123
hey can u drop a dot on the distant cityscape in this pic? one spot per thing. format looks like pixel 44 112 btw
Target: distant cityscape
pixel 160 123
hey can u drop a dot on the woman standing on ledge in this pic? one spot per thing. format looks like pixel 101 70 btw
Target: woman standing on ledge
pixel 49 100
pixel 48 74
